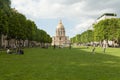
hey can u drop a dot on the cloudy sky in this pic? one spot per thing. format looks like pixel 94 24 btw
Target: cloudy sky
pixel 76 15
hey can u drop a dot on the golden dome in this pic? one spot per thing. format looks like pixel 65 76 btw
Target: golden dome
pixel 60 25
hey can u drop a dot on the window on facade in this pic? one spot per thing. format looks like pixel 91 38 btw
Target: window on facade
pixel 60 33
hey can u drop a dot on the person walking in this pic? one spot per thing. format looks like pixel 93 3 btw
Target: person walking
pixel 104 46
pixel 54 46
pixel 70 46
pixel 93 50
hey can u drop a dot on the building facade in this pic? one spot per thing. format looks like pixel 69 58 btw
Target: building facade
pixel 60 39
pixel 103 17
pixel 106 16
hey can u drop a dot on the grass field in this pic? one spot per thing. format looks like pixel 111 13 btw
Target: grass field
pixel 61 64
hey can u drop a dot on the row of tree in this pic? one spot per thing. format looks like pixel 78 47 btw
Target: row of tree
pixel 16 26
pixel 108 29
pixel 85 37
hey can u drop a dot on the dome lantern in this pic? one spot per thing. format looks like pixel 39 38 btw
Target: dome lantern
pixel 60 25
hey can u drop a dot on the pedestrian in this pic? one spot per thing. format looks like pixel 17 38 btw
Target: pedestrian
pixel 93 50
pixel 20 51
pixel 104 46
pixel 70 46
pixel 54 46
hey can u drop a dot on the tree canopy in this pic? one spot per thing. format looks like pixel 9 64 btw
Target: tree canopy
pixel 108 29
pixel 16 26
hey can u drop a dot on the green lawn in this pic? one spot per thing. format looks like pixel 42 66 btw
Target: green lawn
pixel 61 64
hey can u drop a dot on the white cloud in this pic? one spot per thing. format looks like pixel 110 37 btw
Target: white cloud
pixel 83 26
pixel 83 12
pixel 48 8
pixel 76 9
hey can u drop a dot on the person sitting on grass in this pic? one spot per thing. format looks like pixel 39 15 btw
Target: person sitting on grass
pixel 20 51
pixel 8 51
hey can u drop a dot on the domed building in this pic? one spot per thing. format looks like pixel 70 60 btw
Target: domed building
pixel 60 39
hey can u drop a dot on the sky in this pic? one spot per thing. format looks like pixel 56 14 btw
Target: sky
pixel 77 15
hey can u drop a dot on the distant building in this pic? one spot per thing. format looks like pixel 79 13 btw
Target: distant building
pixel 106 16
pixel 103 17
pixel 60 39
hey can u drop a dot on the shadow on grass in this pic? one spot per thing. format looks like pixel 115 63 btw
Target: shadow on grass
pixel 98 66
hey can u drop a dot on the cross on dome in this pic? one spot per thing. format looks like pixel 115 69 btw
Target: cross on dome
pixel 60 21
pixel 60 25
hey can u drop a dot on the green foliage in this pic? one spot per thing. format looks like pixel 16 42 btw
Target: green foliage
pixel 4 14
pixel 107 29
pixel 43 37
pixel 5 6
pixel 3 23
pixel 85 37
pixel 16 26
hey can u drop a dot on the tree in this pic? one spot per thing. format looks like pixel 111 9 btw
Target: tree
pixel 4 14
pixel 16 26
pixel 5 6
pixel 108 29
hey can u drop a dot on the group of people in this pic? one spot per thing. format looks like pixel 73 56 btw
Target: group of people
pixel 17 51
pixel 104 45
pixel 54 46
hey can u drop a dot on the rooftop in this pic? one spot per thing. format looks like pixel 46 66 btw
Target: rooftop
pixel 108 14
